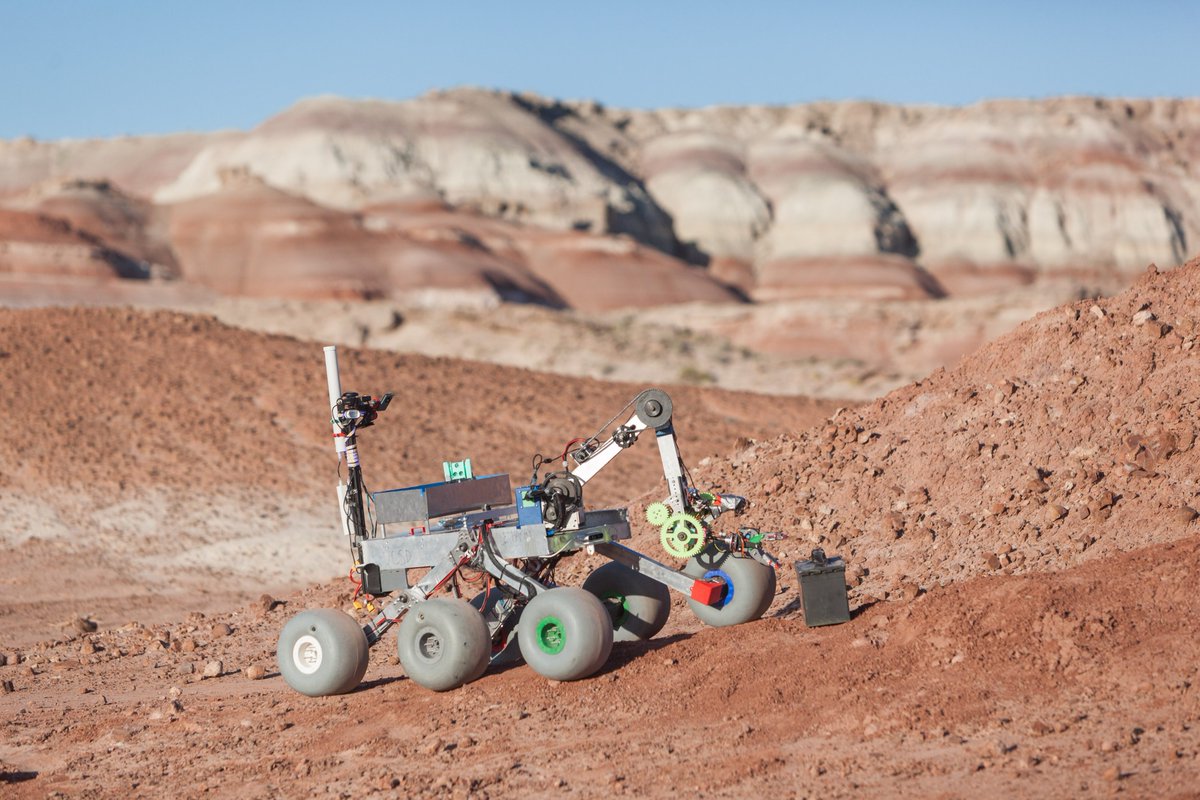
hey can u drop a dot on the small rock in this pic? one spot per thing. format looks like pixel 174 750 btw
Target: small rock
pixel 993 561
pixel 187 644
pixel 1039 728
pixel 1142 317
pixel 1055 512
pixel 910 591
pixel 255 673
pixel 1185 514
pixel 83 625
pixel 87 648
pixel 1097 312
pixel 1113 774
pixel 187 668
pixel 1108 746
pixel 213 669
pixel 221 629
pixel 670 662
pixel 266 602
pixel 7 687
pixel 174 692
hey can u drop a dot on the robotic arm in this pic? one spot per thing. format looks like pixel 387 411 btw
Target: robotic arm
pixel 562 492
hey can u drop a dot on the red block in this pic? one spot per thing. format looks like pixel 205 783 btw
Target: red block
pixel 708 592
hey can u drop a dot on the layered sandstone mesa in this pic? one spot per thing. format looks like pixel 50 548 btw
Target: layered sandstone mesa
pixel 856 200
pixel 41 247
pixel 138 164
pixel 835 231
pixel 700 178
pixel 251 239
pixel 575 269
pixel 497 153
pixel 126 223
pixel 1016 191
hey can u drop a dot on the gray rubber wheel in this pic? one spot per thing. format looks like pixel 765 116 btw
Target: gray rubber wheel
pixel 502 621
pixel 321 652
pixel 443 644
pixel 639 606
pixel 750 586
pixel 565 634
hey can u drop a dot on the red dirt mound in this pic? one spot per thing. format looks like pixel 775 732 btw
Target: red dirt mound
pixel 167 457
pixel 1078 683
pixel 1026 519
pixel 1066 440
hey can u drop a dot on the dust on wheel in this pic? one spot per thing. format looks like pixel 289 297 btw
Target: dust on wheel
pixel 322 652
pixel 639 606
pixel 443 644
pixel 749 586
pixel 565 634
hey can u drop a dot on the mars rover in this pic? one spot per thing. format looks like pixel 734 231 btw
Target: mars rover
pixel 469 530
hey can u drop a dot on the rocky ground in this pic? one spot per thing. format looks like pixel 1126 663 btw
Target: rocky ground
pixel 1021 533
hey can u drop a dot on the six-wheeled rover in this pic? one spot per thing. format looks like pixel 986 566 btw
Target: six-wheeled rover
pixel 479 531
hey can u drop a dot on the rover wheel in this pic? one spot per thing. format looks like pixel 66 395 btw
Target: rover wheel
pixel 565 634
pixel 750 586
pixel 443 643
pixel 639 606
pixel 322 652
pixel 502 623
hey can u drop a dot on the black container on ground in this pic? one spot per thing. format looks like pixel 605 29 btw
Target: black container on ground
pixel 823 589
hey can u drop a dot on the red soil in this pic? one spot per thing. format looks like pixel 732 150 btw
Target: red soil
pixel 1024 564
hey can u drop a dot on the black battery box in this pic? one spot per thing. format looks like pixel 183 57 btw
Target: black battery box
pixel 823 589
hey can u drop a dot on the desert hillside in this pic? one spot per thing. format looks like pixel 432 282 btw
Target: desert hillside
pixel 856 245
pixel 1021 532
pixel 851 198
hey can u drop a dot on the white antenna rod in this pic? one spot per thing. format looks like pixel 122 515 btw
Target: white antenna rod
pixel 335 392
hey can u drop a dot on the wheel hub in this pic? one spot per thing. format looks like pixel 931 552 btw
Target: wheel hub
pixel 429 645
pixel 307 654
pixel 551 635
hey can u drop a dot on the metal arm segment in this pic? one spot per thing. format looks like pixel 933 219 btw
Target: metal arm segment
pixel 668 450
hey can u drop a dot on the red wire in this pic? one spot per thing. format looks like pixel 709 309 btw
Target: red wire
pixel 568 447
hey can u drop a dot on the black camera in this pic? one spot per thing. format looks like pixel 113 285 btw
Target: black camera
pixel 354 411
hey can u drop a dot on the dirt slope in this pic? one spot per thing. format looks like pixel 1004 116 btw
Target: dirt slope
pixel 167 457
pixel 1024 618
pixel 1071 438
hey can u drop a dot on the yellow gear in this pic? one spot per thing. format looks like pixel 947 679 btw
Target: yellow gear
pixel 658 513
pixel 682 535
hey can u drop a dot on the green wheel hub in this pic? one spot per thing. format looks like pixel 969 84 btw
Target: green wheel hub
pixel 618 607
pixel 551 635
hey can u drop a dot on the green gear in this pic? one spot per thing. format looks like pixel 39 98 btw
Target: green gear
pixel 682 535
pixel 658 513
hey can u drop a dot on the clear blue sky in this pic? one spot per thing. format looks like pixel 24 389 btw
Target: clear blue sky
pixel 108 67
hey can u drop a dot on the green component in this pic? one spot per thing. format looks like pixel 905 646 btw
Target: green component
pixel 755 538
pixel 523 494
pixel 457 470
pixel 682 536
pixel 562 542
pixel 657 513
pixel 619 608
pixel 551 635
